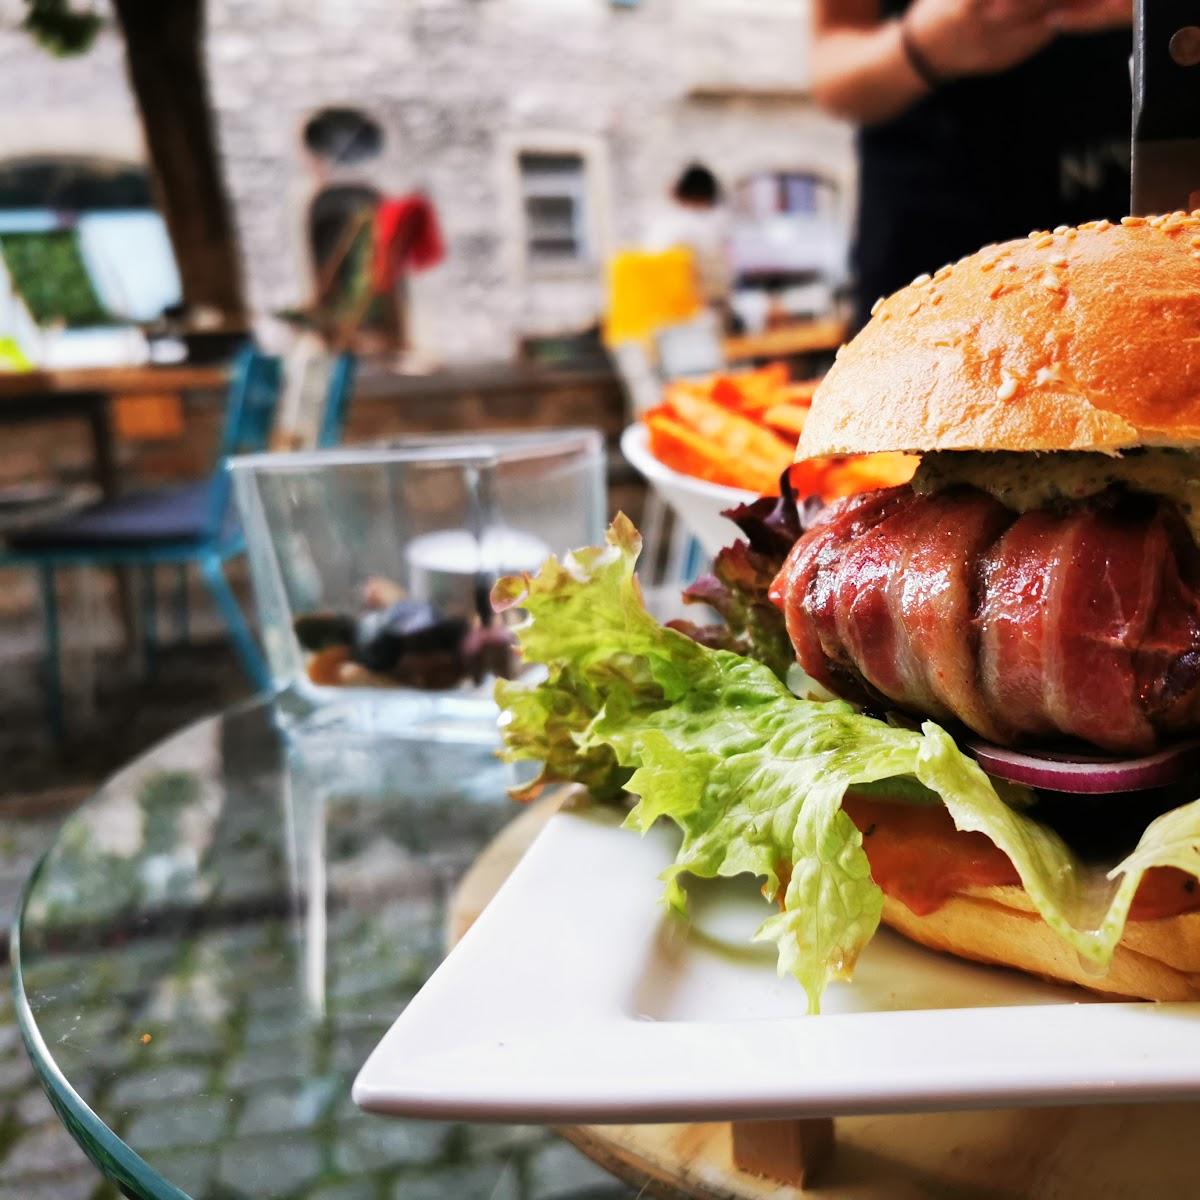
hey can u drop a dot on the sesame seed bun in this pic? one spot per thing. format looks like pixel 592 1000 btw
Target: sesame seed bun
pixel 1080 339
pixel 1155 960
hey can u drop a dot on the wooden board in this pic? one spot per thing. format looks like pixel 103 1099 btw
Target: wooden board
pixel 1118 1152
pixel 807 337
pixel 124 381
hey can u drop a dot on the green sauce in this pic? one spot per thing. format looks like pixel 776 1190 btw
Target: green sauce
pixel 1030 480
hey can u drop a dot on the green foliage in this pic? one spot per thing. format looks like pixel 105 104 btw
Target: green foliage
pixel 59 28
pixel 48 273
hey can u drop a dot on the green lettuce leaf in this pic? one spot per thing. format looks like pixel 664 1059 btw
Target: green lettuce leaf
pixel 754 777
pixel 1172 840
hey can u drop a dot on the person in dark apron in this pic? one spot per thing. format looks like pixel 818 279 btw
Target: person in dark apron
pixel 979 120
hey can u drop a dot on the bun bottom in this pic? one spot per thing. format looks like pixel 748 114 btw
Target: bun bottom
pixel 1155 960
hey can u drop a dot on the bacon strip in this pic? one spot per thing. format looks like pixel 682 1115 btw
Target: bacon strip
pixel 940 587
pixel 1017 602
pixel 1076 624
pixel 805 588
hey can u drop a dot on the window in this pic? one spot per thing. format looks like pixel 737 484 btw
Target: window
pixel 73 185
pixel 787 193
pixel 554 203
pixel 83 242
pixel 343 136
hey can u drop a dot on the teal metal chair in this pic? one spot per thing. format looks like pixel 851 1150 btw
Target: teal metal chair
pixel 193 524
pixel 331 425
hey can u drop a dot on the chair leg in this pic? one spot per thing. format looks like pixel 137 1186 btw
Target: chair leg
pixel 83 671
pixel 693 562
pixel 653 521
pixel 247 649
pixel 181 604
pixel 149 619
pixel 126 606
pixel 678 551
pixel 52 664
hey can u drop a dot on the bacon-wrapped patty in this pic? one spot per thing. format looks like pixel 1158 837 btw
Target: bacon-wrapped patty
pixel 1080 623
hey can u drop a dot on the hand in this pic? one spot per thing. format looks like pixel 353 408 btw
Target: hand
pixel 982 37
pixel 1091 16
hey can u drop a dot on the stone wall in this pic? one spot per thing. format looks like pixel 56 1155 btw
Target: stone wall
pixel 460 88
pixel 68 106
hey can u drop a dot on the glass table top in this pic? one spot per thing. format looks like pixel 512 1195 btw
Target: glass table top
pixel 215 942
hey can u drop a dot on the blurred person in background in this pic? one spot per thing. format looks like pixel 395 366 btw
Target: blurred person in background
pixel 696 219
pixel 980 120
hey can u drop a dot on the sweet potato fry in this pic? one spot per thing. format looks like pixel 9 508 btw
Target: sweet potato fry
pixel 740 437
pixel 740 429
pixel 682 449
pixel 807 478
pixel 767 379
pixel 766 391
pixel 726 392
pixel 847 476
pixel 689 387
pixel 685 450
pixel 801 392
pixel 786 418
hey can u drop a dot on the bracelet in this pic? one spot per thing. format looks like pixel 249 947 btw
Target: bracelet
pixel 930 76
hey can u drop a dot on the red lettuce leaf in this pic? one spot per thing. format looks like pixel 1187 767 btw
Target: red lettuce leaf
pixel 736 589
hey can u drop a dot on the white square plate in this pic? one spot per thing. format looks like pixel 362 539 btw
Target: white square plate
pixel 575 998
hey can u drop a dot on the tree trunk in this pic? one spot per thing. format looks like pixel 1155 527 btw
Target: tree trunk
pixel 164 54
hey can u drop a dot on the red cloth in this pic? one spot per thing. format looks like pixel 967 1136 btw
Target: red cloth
pixel 408 237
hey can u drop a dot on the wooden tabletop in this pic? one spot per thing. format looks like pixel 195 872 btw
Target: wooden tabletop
pixel 807 337
pixel 112 381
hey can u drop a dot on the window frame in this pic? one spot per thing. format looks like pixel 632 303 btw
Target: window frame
pixel 593 213
pixel 569 184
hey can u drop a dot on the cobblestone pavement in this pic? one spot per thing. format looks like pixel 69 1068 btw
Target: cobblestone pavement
pixel 41 785
pixel 269 1113
pixel 39 1159
pixel 224 1118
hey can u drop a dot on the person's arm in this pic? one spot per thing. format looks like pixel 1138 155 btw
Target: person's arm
pixel 867 69
pixel 860 70
pixel 1092 16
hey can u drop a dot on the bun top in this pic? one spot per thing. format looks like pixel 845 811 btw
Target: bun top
pixel 1080 339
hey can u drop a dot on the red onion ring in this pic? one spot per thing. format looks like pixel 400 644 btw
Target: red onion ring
pixel 1084 774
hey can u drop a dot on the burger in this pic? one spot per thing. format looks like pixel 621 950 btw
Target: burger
pixel 969 706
